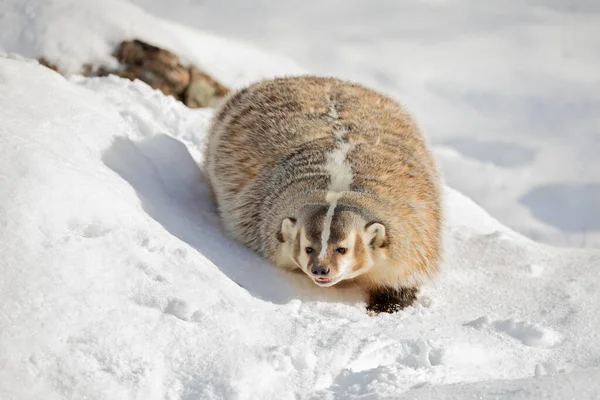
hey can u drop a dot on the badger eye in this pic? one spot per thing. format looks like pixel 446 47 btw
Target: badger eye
pixel 309 250
pixel 341 250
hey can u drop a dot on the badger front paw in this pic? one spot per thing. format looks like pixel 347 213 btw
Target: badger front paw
pixel 391 300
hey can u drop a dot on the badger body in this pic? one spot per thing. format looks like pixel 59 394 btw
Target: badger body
pixel 331 178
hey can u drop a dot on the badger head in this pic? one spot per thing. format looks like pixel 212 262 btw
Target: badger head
pixel 331 244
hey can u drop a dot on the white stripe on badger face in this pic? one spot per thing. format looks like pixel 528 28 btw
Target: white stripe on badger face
pixel 332 199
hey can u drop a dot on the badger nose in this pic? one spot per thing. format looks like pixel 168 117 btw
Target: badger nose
pixel 319 270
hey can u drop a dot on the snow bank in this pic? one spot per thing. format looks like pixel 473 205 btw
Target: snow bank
pixel 118 282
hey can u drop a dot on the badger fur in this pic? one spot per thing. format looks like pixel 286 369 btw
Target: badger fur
pixel 331 178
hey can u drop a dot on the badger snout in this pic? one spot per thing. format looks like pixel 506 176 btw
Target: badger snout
pixel 320 270
pixel 323 275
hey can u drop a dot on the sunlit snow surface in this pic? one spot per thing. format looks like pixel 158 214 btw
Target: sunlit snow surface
pixel 118 283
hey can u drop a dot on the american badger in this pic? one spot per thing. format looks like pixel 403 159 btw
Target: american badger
pixel 330 178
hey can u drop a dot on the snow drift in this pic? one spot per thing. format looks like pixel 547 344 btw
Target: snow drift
pixel 118 282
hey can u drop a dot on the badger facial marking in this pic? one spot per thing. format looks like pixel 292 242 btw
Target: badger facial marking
pixel 304 251
pixel 352 246
pixel 332 198
pixel 346 258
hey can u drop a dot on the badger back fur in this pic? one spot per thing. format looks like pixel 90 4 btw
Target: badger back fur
pixel 306 163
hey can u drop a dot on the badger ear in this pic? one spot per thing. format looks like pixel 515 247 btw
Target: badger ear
pixel 288 227
pixel 376 234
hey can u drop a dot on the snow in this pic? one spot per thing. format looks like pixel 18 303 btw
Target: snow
pixel 118 281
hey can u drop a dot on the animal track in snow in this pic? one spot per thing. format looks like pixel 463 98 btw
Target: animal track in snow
pixel 533 335
pixel 179 308
pixel 88 230
pixel 533 270
pixel 547 368
pixel 414 354
pixel 424 349
pixel 420 354
pixel 151 273
pixel 371 355
pixel 286 359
